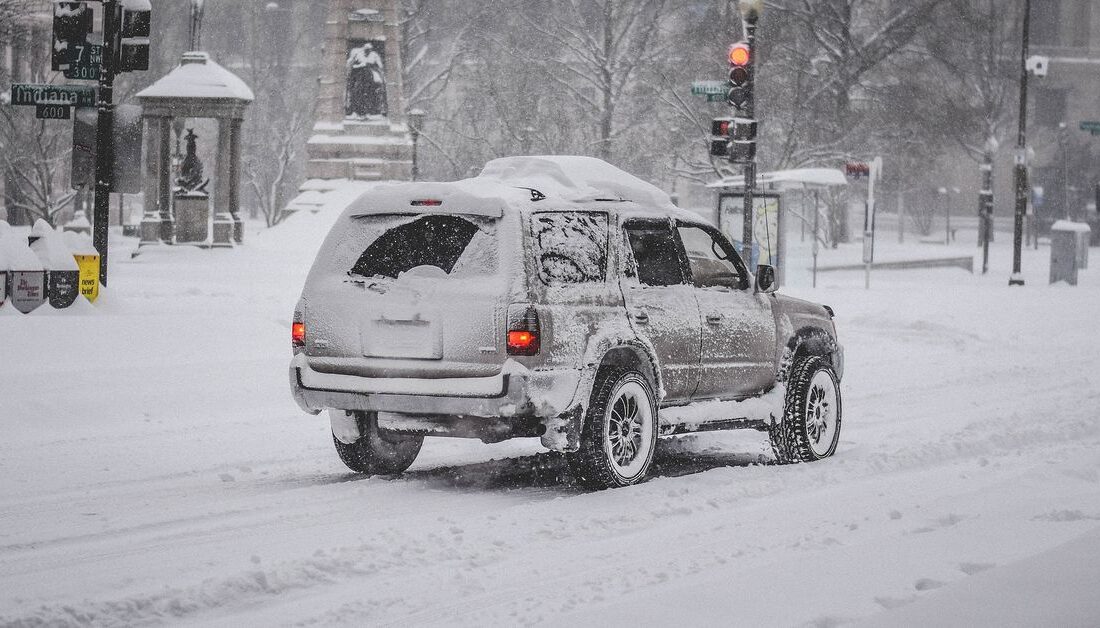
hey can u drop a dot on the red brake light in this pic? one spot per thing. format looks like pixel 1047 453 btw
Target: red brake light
pixel 523 334
pixel 427 202
pixel 298 334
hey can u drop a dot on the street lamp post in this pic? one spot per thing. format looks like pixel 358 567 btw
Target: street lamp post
pixel 416 124
pixel 985 203
pixel 1017 278
pixel 750 14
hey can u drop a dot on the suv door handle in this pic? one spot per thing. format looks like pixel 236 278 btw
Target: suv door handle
pixel 641 316
pixel 714 319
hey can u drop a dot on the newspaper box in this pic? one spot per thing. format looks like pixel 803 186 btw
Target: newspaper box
pixel 87 260
pixel 26 275
pixel 63 278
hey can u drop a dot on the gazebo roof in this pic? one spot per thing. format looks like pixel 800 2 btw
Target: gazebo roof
pixel 199 77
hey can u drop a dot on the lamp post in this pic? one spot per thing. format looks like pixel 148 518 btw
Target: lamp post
pixel 416 124
pixel 750 15
pixel 985 202
pixel 1017 279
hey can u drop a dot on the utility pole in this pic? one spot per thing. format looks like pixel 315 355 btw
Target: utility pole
pixel 105 128
pixel 1017 278
pixel 750 13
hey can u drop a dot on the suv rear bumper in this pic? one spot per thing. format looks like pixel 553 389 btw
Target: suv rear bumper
pixel 514 392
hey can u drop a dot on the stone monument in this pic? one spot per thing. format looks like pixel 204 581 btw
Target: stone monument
pixel 360 131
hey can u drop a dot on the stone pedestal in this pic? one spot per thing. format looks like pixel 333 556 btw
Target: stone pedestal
pixel 192 212
pixel 150 228
pixel 359 135
pixel 223 230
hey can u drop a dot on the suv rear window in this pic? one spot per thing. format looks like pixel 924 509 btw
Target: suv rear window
pixel 570 247
pixel 451 243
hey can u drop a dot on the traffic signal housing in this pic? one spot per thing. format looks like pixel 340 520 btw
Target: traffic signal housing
pixel 136 29
pixel 734 138
pixel 72 24
pixel 740 76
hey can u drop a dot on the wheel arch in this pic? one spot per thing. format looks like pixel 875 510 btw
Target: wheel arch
pixel 808 341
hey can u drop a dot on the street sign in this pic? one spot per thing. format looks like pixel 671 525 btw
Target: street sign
pixel 1091 126
pixel 68 95
pixel 709 88
pixel 53 112
pixel 85 61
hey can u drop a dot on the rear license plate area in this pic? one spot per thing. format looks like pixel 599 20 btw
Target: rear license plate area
pixel 415 340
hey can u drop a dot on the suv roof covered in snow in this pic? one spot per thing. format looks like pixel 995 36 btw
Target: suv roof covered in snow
pixel 549 182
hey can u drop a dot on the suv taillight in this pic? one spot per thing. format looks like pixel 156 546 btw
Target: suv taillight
pixel 523 334
pixel 298 334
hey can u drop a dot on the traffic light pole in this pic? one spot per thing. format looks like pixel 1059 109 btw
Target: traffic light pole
pixel 750 166
pixel 105 131
pixel 1017 278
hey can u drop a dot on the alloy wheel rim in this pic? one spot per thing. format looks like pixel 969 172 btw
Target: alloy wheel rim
pixel 821 413
pixel 629 432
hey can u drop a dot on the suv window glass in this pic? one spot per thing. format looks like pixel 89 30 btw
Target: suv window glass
pixel 570 247
pixel 451 243
pixel 711 262
pixel 657 254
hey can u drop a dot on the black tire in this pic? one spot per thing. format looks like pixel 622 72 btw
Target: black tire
pixel 377 452
pixel 801 437
pixel 595 465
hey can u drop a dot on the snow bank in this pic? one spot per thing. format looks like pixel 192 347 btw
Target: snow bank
pixel 13 245
pixel 51 247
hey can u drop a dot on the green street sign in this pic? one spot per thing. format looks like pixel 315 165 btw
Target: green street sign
pixel 1091 126
pixel 716 97
pixel 83 73
pixel 709 88
pixel 66 95
pixel 53 112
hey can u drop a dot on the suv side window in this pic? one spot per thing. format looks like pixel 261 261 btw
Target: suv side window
pixel 657 253
pixel 712 261
pixel 570 247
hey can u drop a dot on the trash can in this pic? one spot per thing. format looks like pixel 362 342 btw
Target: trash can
pixel 87 260
pixel 63 279
pixel 1066 240
pixel 26 275
pixel 3 277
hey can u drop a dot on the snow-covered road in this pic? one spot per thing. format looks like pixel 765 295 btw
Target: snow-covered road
pixel 154 469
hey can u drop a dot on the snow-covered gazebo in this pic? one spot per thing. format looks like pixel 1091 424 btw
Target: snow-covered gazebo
pixel 197 88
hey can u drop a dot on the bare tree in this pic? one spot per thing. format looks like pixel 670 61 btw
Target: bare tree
pixel 36 156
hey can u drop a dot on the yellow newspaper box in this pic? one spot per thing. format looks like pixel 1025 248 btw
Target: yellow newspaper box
pixel 89 275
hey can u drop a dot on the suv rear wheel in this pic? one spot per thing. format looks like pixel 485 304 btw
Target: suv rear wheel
pixel 620 431
pixel 810 428
pixel 377 452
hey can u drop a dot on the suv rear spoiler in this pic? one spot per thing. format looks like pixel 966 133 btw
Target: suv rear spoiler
pixel 424 198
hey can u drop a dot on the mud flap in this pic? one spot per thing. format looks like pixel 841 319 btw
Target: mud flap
pixel 563 432
pixel 345 426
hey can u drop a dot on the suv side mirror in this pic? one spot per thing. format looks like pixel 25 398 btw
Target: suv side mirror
pixel 765 279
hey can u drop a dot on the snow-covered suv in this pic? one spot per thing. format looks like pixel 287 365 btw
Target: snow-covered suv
pixel 560 298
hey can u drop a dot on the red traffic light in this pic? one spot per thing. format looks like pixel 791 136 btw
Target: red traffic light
pixel 739 54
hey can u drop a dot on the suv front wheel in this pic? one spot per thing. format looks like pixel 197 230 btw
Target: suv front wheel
pixel 810 428
pixel 620 431
pixel 378 452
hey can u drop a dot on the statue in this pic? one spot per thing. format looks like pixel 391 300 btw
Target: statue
pixel 366 90
pixel 190 179
pixel 196 24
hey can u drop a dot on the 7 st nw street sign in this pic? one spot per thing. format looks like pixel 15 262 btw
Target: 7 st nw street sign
pixel 68 95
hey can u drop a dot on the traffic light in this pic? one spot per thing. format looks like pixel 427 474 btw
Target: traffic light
pixel 136 29
pixel 719 140
pixel 742 135
pixel 72 23
pixel 740 92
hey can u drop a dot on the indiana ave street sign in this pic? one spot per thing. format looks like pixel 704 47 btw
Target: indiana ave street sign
pixel 709 88
pixel 65 95
pixel 1091 126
